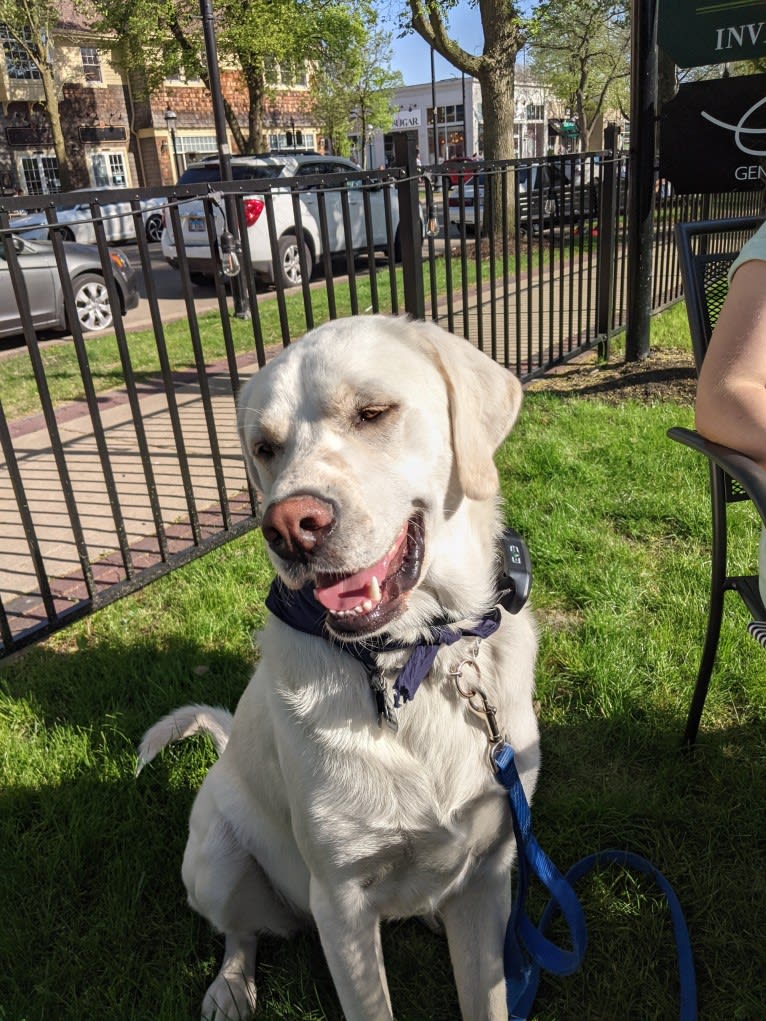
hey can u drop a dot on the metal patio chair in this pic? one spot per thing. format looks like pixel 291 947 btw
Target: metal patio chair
pixel 706 250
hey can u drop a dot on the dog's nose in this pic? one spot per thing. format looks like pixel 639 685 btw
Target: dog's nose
pixel 297 527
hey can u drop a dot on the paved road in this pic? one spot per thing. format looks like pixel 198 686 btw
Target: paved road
pixel 168 284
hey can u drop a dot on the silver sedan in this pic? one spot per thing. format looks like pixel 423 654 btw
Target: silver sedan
pixel 45 292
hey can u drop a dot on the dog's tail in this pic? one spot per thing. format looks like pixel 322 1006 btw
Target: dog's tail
pixel 181 723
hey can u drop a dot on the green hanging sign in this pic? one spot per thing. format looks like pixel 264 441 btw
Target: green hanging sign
pixel 698 32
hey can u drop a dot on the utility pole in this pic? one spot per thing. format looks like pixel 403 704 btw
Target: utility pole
pixel 643 114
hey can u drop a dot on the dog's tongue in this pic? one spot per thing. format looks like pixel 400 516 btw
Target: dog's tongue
pixel 353 589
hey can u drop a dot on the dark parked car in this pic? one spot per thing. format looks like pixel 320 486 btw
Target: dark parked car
pixel 537 203
pixel 46 296
pixel 548 194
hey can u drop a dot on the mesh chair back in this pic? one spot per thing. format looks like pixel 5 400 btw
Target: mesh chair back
pixel 706 251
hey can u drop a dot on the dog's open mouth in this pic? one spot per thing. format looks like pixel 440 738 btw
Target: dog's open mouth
pixel 364 601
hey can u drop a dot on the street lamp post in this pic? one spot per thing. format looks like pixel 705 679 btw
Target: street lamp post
pixel 170 120
pixel 434 118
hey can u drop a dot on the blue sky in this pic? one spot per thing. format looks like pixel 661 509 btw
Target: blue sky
pixel 412 56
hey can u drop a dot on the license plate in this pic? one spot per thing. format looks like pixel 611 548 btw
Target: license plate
pixel 195 223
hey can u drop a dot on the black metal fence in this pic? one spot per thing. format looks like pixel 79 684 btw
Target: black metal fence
pixel 120 458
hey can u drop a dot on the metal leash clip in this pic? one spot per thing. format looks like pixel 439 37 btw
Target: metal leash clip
pixel 482 708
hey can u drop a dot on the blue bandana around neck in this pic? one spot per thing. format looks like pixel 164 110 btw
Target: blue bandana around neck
pixel 300 610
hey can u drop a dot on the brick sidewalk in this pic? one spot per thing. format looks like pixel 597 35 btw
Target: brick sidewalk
pixel 56 536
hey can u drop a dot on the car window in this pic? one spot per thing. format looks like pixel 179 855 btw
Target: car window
pixel 203 173
pixel 244 172
pixel 325 167
pixel 534 177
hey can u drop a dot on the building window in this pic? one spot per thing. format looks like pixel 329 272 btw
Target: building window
pixel 41 174
pixel 270 71
pixel 286 140
pixel 446 114
pixel 108 170
pixel 18 63
pixel 179 76
pixel 91 64
pixel 293 73
pixel 535 112
pixel 194 144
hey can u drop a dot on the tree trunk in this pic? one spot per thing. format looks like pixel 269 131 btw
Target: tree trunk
pixel 495 70
pixel 497 88
pixel 256 94
pixel 54 119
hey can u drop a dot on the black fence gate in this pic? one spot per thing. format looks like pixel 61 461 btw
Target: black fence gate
pixel 119 458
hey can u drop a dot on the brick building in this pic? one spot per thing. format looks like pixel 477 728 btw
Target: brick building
pixel 114 138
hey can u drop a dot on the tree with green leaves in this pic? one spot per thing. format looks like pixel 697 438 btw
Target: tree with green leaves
pixel 494 68
pixel 29 30
pixel 581 48
pixel 352 91
pixel 160 38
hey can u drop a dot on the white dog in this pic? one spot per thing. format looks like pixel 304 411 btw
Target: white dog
pixel 371 442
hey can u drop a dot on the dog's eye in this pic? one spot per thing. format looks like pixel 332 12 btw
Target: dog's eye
pixel 262 451
pixel 372 413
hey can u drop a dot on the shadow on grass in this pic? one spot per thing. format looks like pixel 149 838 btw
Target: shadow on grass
pixel 91 875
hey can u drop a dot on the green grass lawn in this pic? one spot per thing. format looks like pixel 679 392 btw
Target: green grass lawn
pixel 95 923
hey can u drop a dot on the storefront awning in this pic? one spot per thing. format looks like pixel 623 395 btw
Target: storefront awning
pixel 564 127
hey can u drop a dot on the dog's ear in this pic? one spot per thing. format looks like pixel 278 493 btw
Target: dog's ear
pixel 484 400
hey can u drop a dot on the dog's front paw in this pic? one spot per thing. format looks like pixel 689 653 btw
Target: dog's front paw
pixel 231 997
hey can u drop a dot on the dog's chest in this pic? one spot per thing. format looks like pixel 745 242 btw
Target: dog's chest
pixel 405 815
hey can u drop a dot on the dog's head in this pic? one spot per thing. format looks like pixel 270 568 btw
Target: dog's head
pixel 371 444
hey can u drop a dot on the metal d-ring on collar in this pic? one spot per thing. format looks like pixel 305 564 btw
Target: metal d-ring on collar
pixel 482 708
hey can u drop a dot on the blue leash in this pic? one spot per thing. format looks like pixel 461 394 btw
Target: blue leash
pixel 527 950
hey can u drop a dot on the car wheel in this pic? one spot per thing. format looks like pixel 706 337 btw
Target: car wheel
pixel 154 228
pixel 289 267
pixel 91 300
pixel 201 279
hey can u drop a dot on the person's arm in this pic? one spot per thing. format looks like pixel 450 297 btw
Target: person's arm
pixel 731 394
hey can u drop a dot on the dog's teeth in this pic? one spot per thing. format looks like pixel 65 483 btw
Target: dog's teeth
pixel 365 606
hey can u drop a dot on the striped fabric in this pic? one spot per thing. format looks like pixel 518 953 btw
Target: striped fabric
pixel 757 628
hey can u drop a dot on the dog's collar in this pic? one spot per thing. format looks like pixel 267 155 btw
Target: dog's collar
pixel 300 610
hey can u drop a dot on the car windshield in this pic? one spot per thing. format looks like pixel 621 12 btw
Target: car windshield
pixel 71 208
pixel 204 173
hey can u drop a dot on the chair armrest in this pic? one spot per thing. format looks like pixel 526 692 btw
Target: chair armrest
pixel 743 469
